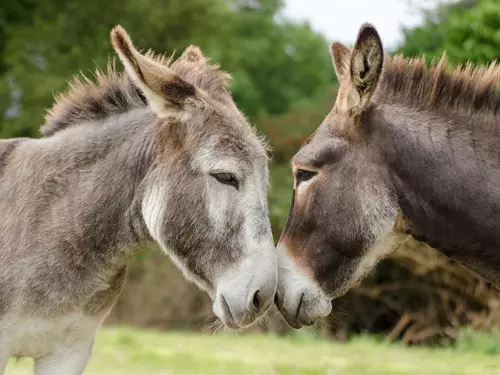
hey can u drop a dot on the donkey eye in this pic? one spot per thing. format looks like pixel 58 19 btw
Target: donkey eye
pixel 303 175
pixel 226 179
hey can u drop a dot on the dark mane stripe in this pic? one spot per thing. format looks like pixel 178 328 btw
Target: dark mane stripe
pixel 466 88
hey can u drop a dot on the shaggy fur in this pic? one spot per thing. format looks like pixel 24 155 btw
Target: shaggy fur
pixel 470 90
pixel 114 92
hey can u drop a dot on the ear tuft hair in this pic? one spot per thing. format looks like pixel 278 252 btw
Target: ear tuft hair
pixel 193 54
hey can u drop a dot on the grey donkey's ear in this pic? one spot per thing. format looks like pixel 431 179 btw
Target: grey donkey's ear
pixel 166 91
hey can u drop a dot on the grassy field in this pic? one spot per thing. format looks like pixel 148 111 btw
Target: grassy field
pixel 128 351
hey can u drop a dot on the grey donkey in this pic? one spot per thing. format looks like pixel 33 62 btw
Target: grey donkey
pixel 160 154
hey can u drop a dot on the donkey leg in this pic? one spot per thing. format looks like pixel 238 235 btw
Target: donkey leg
pixel 4 357
pixel 70 361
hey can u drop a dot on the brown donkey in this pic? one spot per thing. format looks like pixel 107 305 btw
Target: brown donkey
pixel 406 150
pixel 160 153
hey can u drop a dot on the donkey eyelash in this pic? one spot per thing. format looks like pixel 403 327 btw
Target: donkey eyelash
pixel 303 175
pixel 226 178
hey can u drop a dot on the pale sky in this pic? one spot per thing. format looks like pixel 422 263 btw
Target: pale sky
pixel 339 20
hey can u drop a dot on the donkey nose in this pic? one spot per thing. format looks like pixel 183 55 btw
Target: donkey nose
pixel 245 292
pixel 256 302
pixel 302 307
pixel 260 300
pixel 238 312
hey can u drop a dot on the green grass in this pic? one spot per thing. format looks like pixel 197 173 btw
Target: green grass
pixel 128 351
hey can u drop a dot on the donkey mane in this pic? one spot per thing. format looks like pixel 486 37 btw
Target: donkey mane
pixel 114 93
pixel 467 89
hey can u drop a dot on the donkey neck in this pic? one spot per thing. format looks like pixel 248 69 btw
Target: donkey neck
pixel 73 200
pixel 107 169
pixel 93 181
pixel 446 175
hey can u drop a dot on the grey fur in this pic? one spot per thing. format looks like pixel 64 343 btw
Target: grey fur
pixel 72 206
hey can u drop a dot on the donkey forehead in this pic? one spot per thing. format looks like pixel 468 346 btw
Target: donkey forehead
pixel 319 150
pixel 330 138
pixel 232 151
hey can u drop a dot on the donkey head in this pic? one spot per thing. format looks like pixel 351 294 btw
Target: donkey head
pixel 205 197
pixel 343 203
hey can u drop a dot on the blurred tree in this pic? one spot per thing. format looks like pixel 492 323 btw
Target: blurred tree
pixel 11 13
pixel 63 37
pixel 274 63
pixel 466 29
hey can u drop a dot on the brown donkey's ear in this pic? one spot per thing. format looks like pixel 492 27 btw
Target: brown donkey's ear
pixel 367 59
pixel 341 56
pixel 365 68
pixel 165 90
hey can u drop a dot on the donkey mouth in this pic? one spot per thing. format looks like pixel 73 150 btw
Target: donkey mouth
pixel 227 318
pixel 296 323
pixel 249 318
pixel 293 318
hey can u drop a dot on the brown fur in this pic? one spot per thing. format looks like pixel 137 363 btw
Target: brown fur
pixel 406 150
pixel 470 90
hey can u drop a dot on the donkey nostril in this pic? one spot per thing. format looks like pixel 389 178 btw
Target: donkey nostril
pixel 256 302
pixel 298 306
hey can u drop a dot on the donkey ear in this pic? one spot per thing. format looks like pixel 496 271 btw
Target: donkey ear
pixel 341 56
pixel 365 66
pixel 164 89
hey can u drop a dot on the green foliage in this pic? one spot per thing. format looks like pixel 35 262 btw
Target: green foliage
pixel 466 30
pixel 287 132
pixel 274 63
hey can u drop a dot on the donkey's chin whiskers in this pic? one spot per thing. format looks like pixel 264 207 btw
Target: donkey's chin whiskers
pixel 332 321
pixel 314 329
pixel 216 327
pixel 208 322
pixel 264 321
pixel 339 310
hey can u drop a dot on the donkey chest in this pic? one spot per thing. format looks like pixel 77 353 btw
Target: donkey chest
pixel 40 336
